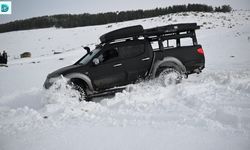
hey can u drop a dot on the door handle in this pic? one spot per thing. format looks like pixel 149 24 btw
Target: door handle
pixel 117 65
pixel 145 59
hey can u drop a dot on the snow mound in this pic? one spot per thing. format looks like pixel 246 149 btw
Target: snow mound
pixel 217 101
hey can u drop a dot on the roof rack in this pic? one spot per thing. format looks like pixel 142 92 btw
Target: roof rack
pixel 137 31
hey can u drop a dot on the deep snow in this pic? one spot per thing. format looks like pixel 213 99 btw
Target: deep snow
pixel 206 111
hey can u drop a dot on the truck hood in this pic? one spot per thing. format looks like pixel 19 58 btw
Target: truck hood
pixel 65 70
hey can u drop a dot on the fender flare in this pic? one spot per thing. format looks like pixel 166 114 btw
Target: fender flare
pixel 83 77
pixel 168 62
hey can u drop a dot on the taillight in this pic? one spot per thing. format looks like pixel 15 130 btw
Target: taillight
pixel 200 51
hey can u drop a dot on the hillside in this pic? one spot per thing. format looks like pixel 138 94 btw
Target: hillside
pixel 206 111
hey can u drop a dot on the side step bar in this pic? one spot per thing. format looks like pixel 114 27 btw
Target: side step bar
pixel 106 93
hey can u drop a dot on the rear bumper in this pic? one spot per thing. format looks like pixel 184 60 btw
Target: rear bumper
pixel 194 67
pixel 198 70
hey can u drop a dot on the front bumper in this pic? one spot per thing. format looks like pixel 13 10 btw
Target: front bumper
pixel 47 84
pixel 50 81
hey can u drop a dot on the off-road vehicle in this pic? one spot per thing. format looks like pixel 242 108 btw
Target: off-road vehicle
pixel 129 54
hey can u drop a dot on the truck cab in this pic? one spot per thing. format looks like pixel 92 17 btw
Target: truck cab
pixel 121 63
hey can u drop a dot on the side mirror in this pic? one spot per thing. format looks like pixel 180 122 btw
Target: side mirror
pixel 96 61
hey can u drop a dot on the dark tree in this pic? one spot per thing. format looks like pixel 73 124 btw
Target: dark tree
pixel 85 19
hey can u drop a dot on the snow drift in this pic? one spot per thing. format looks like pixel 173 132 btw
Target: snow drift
pixel 210 110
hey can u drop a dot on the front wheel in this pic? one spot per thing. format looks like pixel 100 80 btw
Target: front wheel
pixel 169 76
pixel 81 92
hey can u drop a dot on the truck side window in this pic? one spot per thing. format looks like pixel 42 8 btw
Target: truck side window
pixel 131 50
pixel 155 45
pixel 108 55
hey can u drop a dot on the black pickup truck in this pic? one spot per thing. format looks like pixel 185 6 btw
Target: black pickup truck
pixel 129 54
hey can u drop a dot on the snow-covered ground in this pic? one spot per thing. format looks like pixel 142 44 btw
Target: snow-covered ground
pixel 206 111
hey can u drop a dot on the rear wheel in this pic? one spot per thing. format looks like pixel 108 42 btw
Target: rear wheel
pixel 168 75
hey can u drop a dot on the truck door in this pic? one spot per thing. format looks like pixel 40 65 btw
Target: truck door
pixel 109 71
pixel 137 58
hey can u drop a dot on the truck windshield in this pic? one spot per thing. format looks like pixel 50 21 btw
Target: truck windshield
pixel 86 58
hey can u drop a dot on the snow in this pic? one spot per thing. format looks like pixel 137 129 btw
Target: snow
pixel 210 110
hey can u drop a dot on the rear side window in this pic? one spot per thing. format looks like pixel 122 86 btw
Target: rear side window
pixel 129 51
pixel 155 44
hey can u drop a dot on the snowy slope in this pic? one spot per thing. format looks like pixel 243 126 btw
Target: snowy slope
pixel 207 111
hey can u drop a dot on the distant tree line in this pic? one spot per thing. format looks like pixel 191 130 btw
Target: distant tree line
pixel 86 19
pixel 224 8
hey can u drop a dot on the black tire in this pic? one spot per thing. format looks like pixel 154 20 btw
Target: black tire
pixel 169 75
pixel 81 89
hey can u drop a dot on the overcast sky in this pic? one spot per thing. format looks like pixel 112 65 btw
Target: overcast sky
pixel 22 9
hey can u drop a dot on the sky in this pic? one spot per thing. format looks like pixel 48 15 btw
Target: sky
pixel 23 9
